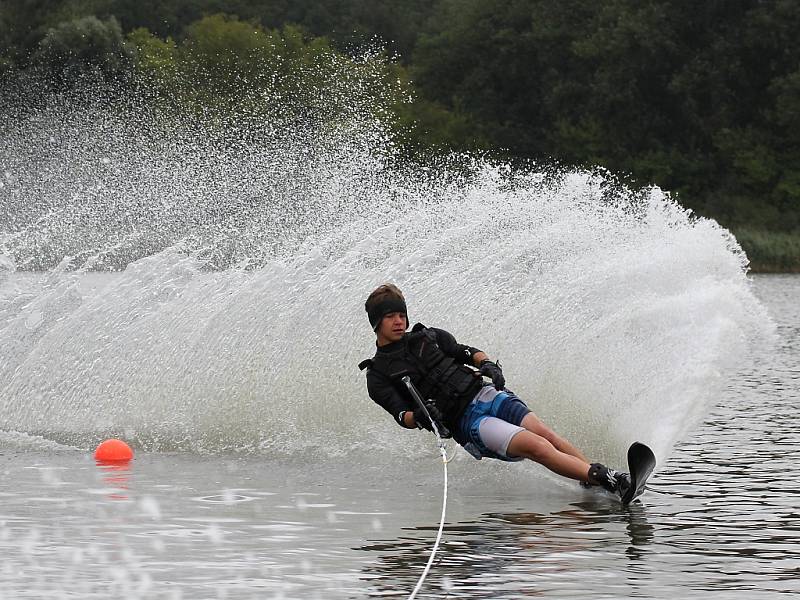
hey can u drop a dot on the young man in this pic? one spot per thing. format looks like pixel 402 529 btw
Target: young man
pixel 485 418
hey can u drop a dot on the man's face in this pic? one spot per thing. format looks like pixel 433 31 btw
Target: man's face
pixel 392 328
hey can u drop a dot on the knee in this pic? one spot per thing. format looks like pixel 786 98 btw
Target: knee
pixel 534 425
pixel 535 447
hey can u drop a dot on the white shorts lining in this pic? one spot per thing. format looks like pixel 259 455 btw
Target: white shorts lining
pixel 496 434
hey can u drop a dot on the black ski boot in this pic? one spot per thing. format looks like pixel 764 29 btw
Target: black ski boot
pixel 610 480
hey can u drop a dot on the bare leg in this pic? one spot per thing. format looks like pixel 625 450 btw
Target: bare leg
pixel 541 450
pixel 533 424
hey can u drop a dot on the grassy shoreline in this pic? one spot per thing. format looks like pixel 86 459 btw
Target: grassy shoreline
pixel 769 251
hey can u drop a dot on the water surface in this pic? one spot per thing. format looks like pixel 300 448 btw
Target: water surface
pixel 720 518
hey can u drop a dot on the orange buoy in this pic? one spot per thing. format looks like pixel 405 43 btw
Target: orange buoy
pixel 113 450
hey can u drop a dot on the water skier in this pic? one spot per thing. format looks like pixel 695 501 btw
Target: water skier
pixel 488 420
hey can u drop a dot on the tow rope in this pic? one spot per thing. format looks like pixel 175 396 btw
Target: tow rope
pixel 443 451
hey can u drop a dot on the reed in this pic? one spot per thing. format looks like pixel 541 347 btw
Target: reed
pixel 770 251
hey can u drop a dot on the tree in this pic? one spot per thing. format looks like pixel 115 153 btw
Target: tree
pixel 83 47
pixel 699 98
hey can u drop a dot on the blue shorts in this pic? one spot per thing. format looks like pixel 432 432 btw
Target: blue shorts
pixel 489 422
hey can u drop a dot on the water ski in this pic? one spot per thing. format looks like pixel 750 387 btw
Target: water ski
pixel 641 462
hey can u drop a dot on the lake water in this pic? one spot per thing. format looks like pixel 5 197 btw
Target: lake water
pixel 720 519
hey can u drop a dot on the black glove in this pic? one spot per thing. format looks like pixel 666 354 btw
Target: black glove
pixel 422 419
pixel 493 372
pixel 423 422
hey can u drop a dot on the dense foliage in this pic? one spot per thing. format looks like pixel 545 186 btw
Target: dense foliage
pixel 702 99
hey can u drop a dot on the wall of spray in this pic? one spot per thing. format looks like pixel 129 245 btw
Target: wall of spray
pixel 199 286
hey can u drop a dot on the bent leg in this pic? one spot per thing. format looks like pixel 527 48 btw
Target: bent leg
pixel 541 450
pixel 533 424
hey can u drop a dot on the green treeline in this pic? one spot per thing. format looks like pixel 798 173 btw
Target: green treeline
pixel 700 98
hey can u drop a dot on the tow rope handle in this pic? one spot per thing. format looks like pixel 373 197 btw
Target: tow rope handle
pixel 439 429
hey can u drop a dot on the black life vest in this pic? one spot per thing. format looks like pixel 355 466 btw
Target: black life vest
pixel 438 377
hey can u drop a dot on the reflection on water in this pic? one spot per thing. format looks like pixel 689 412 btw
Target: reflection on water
pixel 513 554
pixel 116 476
pixel 674 544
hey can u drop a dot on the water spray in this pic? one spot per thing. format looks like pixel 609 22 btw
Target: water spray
pixel 443 451
pixel 152 261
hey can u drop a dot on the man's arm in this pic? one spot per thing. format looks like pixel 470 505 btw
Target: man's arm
pixel 466 355
pixel 478 358
pixel 408 420
pixel 470 356
pixel 385 395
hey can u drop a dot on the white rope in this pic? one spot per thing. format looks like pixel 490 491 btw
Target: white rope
pixel 443 452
